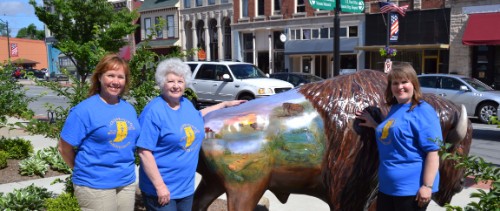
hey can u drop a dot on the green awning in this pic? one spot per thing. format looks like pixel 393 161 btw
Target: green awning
pixel 153 44
pixel 149 5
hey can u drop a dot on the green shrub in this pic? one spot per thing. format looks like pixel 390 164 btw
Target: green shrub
pixel 3 159
pixel 28 198
pixel 482 172
pixel 17 148
pixel 65 201
pixel 68 184
pixel 33 166
pixel 51 156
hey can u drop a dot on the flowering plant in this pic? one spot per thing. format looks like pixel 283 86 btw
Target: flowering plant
pixel 387 52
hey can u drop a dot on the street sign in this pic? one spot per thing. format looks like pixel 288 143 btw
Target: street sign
pixel 353 6
pixel 322 4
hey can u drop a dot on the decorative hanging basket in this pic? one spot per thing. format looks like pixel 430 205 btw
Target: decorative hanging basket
pixel 387 52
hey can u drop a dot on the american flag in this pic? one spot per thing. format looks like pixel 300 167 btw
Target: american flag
pixel 394 27
pixel 386 7
pixel 13 50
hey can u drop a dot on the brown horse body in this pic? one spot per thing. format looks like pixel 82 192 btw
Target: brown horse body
pixel 308 142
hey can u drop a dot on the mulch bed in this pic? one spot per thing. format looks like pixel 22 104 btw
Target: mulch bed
pixel 11 173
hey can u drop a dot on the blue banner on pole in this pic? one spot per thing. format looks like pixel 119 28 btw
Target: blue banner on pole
pixel 394 27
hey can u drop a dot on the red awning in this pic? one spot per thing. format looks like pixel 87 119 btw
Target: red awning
pixel 482 29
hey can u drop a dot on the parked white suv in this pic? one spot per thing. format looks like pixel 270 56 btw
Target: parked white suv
pixel 215 82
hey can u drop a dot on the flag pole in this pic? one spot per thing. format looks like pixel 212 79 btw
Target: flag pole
pixel 388 28
pixel 336 42
pixel 388 62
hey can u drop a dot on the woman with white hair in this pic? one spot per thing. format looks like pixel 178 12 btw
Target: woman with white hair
pixel 170 140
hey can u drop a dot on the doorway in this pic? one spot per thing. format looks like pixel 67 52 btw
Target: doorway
pixel 263 61
pixel 430 65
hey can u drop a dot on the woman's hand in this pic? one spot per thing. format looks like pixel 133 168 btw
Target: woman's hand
pixel 224 104
pixel 367 118
pixel 163 195
pixel 423 196
pixel 233 103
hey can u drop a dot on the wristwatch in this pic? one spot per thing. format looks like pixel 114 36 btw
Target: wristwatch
pixel 427 186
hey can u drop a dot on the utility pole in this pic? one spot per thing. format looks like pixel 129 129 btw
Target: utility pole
pixel 8 40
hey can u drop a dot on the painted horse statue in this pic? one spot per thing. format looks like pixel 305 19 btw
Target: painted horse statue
pixel 307 141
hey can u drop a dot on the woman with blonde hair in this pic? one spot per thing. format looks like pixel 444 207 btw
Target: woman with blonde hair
pixel 98 140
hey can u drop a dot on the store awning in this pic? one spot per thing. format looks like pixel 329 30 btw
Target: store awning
pixel 405 47
pixel 482 29
pixel 24 61
pixel 319 46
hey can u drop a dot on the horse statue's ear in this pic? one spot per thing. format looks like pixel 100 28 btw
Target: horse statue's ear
pixel 376 114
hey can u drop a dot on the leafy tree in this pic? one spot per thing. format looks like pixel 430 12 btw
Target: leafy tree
pixel 13 98
pixel 81 35
pixel 85 30
pixel 31 32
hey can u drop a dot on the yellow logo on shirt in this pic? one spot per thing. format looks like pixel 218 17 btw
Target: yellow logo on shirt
pixel 189 136
pixel 121 131
pixel 385 132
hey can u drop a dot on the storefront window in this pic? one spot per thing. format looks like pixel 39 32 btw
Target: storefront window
pixel 301 7
pixel 277 7
pixel 147 26
pixel 306 34
pixel 353 31
pixel 324 33
pixel 244 8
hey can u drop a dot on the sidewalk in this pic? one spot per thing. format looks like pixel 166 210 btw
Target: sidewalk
pixel 30 82
pixel 295 201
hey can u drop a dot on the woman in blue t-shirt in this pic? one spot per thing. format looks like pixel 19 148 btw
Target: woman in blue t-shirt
pixel 170 140
pixel 104 129
pixel 408 141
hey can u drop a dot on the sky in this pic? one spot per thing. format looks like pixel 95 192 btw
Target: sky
pixel 19 14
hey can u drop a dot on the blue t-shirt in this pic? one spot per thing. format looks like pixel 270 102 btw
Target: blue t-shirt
pixel 174 137
pixel 105 136
pixel 403 140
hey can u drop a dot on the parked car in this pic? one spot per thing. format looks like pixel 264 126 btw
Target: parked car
pixel 215 82
pixel 17 73
pixel 296 78
pixel 479 99
pixel 36 73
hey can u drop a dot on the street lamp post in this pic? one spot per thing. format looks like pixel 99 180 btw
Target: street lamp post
pixel 8 40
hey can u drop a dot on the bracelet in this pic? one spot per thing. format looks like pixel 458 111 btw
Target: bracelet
pixel 427 186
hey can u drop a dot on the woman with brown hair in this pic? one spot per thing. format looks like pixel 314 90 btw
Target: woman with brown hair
pixel 408 143
pixel 98 140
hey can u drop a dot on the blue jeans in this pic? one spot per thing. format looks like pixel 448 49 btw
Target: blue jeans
pixel 182 204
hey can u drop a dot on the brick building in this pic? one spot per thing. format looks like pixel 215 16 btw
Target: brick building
pixel 24 52
pixel 275 35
